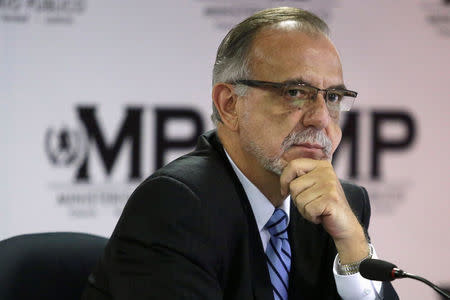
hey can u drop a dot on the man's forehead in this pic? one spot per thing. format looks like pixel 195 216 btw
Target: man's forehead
pixel 269 40
pixel 280 55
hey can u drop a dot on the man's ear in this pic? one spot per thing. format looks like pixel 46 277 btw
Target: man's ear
pixel 225 101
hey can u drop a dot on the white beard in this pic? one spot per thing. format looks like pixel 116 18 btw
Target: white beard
pixel 275 163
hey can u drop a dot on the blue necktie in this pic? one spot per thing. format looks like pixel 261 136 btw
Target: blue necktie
pixel 278 254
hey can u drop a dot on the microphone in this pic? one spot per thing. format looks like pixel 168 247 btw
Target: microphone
pixel 380 270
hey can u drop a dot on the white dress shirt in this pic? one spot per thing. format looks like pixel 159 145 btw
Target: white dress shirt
pixel 348 286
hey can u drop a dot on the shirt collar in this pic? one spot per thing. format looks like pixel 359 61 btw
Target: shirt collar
pixel 262 208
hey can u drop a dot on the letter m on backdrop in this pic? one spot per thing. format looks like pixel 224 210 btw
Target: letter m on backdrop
pixel 130 131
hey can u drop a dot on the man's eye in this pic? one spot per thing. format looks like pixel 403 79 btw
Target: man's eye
pixel 334 97
pixel 297 93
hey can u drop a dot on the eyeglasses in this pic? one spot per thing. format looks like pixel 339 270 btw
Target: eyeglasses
pixel 298 93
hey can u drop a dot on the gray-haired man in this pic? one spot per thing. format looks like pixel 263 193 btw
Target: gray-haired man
pixel 256 211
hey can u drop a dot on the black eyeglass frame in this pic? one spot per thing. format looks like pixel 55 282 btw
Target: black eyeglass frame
pixel 282 86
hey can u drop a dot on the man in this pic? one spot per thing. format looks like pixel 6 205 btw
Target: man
pixel 256 211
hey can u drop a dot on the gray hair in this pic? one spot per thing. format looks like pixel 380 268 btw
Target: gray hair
pixel 233 57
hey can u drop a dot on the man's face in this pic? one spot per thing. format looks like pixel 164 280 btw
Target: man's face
pixel 273 131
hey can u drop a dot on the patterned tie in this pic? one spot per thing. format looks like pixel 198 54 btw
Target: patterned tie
pixel 278 253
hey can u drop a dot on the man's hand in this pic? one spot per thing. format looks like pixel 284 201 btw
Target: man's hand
pixel 319 197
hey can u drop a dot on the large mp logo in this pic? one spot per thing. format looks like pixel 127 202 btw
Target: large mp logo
pixel 92 152
pixel 379 144
pixel 67 147
pixel 367 167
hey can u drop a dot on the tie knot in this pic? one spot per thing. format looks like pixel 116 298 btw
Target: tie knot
pixel 277 224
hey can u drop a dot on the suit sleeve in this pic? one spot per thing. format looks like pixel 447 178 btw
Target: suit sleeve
pixel 163 245
pixel 366 212
pixel 358 200
pixel 363 214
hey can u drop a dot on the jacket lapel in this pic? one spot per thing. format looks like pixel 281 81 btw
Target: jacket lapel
pixel 307 241
pixel 262 287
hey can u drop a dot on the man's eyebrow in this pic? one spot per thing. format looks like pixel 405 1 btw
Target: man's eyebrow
pixel 338 87
pixel 302 81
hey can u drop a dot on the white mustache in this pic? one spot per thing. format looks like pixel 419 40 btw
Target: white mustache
pixel 309 135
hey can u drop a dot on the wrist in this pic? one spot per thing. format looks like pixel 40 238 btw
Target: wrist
pixel 352 268
pixel 352 249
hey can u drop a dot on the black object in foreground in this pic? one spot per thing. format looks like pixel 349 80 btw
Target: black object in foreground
pixel 380 270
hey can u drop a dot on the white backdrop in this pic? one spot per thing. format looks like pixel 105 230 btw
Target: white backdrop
pixel 74 74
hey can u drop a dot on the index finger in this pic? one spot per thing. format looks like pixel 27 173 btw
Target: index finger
pixel 294 169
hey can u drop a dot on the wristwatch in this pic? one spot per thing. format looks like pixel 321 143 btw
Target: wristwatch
pixel 353 268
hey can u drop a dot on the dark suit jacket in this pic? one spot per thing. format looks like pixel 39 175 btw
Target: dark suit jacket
pixel 188 232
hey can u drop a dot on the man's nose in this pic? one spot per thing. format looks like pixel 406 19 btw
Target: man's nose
pixel 316 113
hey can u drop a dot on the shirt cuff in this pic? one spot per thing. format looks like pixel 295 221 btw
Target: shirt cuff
pixel 355 286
